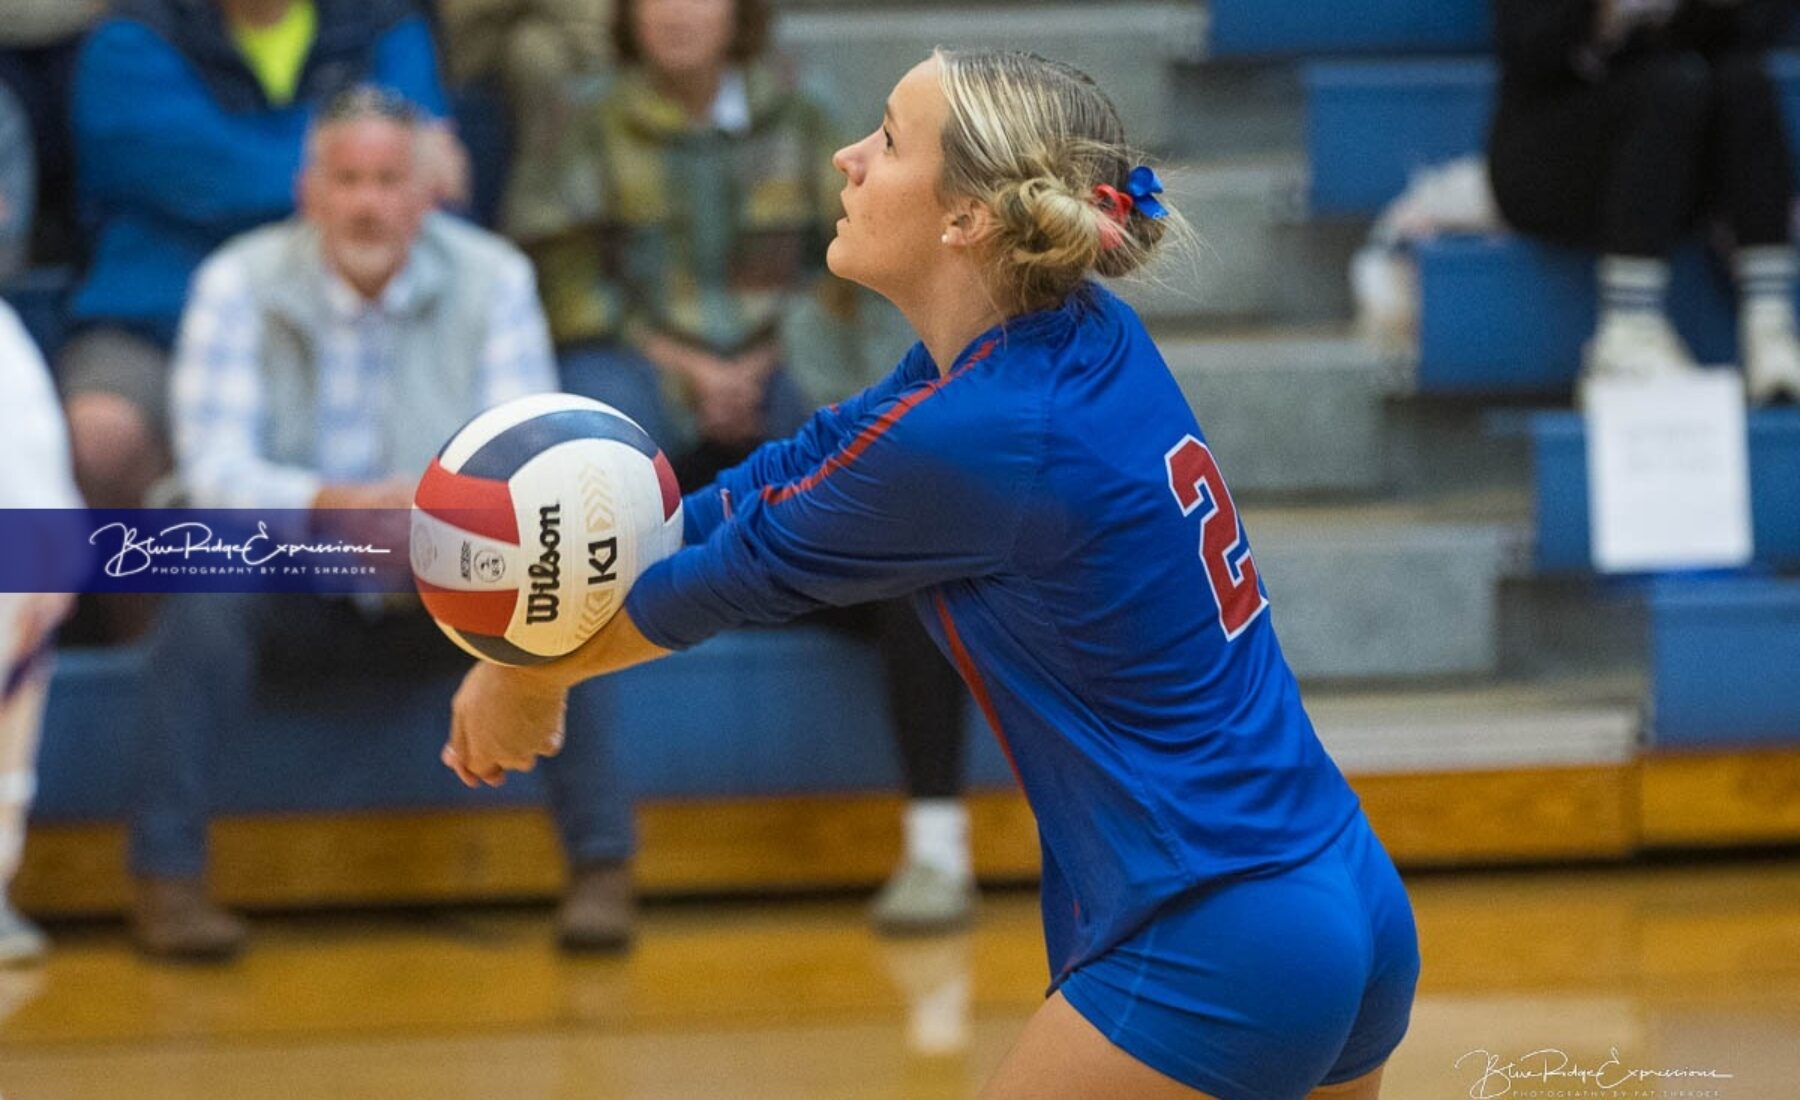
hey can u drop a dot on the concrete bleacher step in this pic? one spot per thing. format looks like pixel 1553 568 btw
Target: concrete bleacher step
pixel 1287 413
pixel 1567 627
pixel 1440 446
pixel 1489 727
pixel 861 52
pixel 1393 591
pixel 1258 256
pixel 1237 108
pixel 1559 445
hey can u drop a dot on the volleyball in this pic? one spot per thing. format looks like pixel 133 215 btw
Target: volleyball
pixel 531 524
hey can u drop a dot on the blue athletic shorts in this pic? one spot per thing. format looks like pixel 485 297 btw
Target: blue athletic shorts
pixel 1265 988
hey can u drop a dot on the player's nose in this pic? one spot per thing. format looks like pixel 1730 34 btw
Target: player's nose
pixel 849 162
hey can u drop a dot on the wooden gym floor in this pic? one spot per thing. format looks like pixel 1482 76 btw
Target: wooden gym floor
pixel 1678 965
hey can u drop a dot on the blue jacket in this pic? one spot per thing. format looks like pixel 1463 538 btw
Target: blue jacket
pixel 177 147
pixel 1052 508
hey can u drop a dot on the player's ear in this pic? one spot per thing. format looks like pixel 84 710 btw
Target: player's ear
pixel 970 223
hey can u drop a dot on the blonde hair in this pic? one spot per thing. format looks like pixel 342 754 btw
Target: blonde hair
pixel 1031 139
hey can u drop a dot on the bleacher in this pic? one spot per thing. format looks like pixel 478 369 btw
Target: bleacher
pixel 1490 698
pixel 1398 85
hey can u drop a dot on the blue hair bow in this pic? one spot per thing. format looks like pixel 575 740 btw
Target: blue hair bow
pixel 1141 185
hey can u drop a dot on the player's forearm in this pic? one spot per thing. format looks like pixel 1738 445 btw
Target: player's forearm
pixel 617 646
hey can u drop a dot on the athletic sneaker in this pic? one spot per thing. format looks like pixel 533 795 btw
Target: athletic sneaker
pixel 21 942
pixel 922 900
pixel 1639 344
pixel 1771 354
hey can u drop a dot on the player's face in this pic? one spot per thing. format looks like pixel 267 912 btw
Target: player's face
pixel 889 237
pixel 365 194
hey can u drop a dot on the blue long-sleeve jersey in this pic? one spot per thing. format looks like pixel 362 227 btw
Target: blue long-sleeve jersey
pixel 1051 507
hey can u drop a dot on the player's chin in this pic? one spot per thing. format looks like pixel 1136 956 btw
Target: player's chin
pixel 838 257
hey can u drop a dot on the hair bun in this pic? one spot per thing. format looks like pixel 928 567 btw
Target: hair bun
pixel 1032 138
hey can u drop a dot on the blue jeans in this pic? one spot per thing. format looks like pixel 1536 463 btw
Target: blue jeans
pixel 202 666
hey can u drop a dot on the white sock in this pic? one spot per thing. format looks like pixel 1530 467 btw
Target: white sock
pixel 1766 277
pixel 1631 285
pixel 937 835
pixel 937 1021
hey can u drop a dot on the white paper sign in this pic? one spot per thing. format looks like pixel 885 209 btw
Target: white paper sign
pixel 1668 472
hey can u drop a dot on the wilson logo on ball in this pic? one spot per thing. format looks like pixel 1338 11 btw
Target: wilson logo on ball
pixel 533 522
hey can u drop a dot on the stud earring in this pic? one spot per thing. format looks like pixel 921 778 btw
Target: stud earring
pixel 945 238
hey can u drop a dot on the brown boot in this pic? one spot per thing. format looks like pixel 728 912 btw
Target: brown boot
pixel 174 920
pixel 598 910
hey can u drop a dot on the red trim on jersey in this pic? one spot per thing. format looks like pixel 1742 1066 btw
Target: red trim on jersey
pixel 478 505
pixel 853 450
pixel 671 489
pixel 486 611
pixel 972 677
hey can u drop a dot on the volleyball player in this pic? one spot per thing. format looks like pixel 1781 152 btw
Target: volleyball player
pixel 1220 919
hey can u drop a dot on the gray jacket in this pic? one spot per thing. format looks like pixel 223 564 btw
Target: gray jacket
pixel 436 379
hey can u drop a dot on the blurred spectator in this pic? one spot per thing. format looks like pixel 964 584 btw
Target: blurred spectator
pixel 516 65
pixel 18 185
pixel 188 120
pixel 534 48
pixel 38 40
pixel 321 364
pixel 674 225
pixel 34 473
pixel 1622 125
pixel 677 217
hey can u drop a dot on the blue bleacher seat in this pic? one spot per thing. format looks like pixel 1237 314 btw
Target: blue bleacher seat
pixel 747 714
pixel 1249 28
pixel 1500 315
pixel 1371 124
pixel 1724 655
pixel 1559 448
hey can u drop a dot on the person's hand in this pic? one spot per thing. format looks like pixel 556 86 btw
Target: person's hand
pixel 503 719
pixel 445 165
pixel 376 513
pixel 1619 18
pixel 728 401
pixel 40 614
pixel 759 363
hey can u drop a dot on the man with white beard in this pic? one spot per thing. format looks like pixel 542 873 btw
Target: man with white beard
pixel 321 363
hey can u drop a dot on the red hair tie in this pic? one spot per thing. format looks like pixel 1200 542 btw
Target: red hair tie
pixel 1116 207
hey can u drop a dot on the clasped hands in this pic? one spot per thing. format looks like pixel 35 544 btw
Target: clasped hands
pixel 502 719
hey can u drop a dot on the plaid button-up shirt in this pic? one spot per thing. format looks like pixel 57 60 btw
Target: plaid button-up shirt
pixel 218 410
